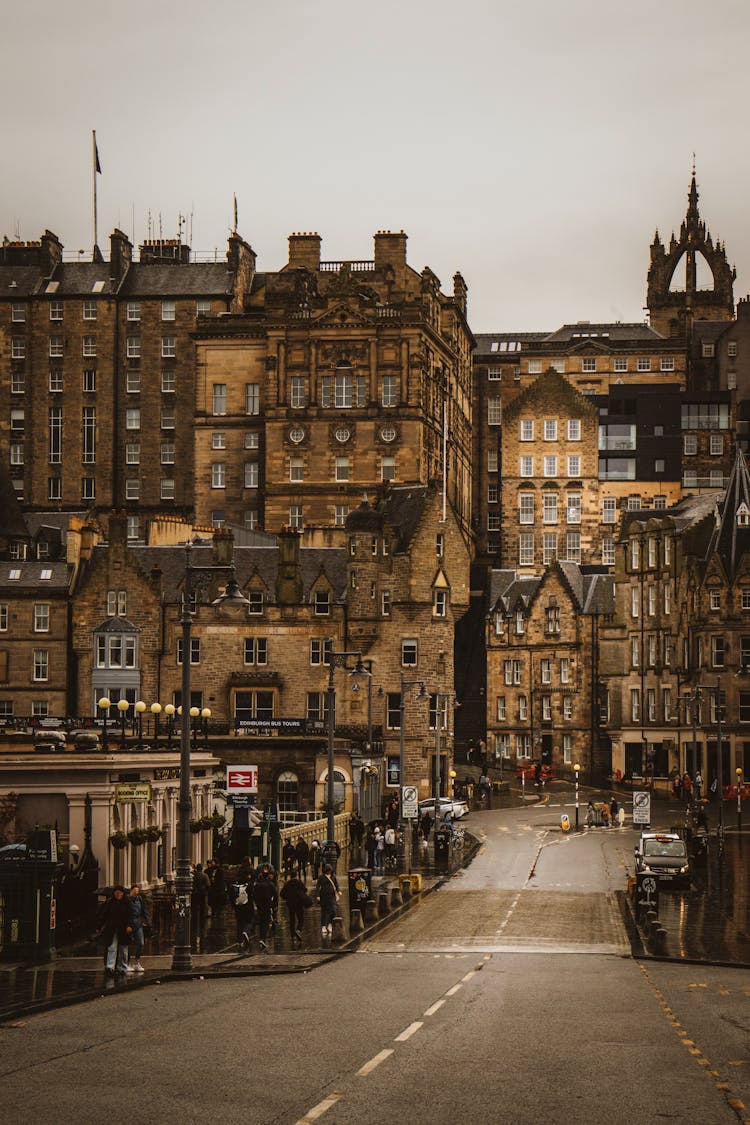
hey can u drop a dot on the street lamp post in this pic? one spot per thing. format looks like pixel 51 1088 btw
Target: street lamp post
pixel 205 716
pixel 441 699
pixel 156 711
pixel 140 707
pixel 406 685
pixel 181 956
pixel 738 772
pixel 122 707
pixel 169 712
pixel 104 704
pixel 719 768
pixel 335 660
pixel 194 715
pixel 577 770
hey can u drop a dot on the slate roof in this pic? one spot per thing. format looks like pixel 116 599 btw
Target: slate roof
pixel 79 279
pixel 614 333
pixel 26 279
pixel 731 537
pixel 191 279
pixel 402 508
pixel 31 575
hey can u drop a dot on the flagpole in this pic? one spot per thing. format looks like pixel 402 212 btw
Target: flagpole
pixel 94 162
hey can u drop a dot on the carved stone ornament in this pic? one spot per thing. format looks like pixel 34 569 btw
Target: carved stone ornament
pixel 351 352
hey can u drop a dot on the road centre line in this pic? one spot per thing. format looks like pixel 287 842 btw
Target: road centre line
pixel 376 1060
pixel 408 1032
pixel 434 1007
pixel 321 1108
pixel 454 990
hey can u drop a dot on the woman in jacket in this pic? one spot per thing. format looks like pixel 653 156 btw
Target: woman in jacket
pixel 116 921
pixel 140 918
pixel 327 891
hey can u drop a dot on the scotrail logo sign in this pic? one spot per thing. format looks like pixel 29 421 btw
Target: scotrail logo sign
pixel 242 779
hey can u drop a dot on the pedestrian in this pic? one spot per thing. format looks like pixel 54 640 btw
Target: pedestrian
pixel 390 845
pixel 288 858
pixel 244 910
pixel 328 894
pixel 687 786
pixel 357 834
pixel 141 922
pixel 302 855
pixel 590 815
pixel 199 897
pixel 217 895
pixel 425 824
pixel 315 858
pixel 698 785
pixel 613 809
pixel 538 776
pixel 370 846
pixel 605 815
pixel 392 814
pixel 677 786
pixel 266 899
pixel 379 849
pixel 297 900
pixel 116 925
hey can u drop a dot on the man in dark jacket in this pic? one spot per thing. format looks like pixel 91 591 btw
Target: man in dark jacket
pixel 297 899
pixel 327 890
pixel 199 897
pixel 288 857
pixel 116 922
pixel 302 852
pixel 266 899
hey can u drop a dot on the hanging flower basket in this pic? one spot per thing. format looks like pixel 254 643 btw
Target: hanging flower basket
pixel 153 833
pixel 138 836
pixel 118 840
pixel 196 826
pixel 207 822
pixel 217 820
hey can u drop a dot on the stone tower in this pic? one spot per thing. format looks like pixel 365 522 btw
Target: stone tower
pixel 673 311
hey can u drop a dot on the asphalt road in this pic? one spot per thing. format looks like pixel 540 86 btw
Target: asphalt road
pixel 510 995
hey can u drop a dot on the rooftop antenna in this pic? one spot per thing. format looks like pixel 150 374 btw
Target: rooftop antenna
pixel 180 224
pixel 234 230
pixel 149 224
pixel 191 224
pixel 161 236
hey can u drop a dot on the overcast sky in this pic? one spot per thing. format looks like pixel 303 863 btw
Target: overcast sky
pixel 532 145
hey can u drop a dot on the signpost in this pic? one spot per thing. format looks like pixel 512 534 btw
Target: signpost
pixel 409 802
pixel 641 807
pixel 242 779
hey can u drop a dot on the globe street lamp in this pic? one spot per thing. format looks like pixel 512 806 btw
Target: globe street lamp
pixel 194 713
pixel 122 707
pixel 441 704
pixel 140 707
pixel 104 705
pixel 169 712
pixel 577 770
pixel 156 711
pixel 336 660
pixel 205 716
pixel 738 771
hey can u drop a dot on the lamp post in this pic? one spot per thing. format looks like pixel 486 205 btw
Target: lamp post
pixel 156 711
pixel 719 768
pixel 181 956
pixel 441 700
pixel 104 705
pixel 194 714
pixel 205 716
pixel 335 660
pixel 692 702
pixel 577 770
pixel 406 685
pixel 122 707
pixel 738 772
pixel 140 707
pixel 169 712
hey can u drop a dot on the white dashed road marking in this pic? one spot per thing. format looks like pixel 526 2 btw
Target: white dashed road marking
pixel 376 1060
pixel 319 1109
pixel 438 1004
pixel 408 1032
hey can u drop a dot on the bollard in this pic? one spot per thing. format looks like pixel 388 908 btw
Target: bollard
pixel 356 924
pixel 659 937
pixel 651 921
pixel 396 899
pixel 338 934
pixel 383 907
pixel 405 888
pixel 371 912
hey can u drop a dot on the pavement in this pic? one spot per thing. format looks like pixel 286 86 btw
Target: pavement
pixel 77 974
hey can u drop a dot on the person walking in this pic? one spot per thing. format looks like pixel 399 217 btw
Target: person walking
pixel 698 785
pixel 327 891
pixel 116 925
pixel 687 787
pixel 266 899
pixel 315 858
pixel 199 897
pixel 379 858
pixel 217 895
pixel 244 910
pixel 297 900
pixel 288 858
pixel 141 920
pixel 302 855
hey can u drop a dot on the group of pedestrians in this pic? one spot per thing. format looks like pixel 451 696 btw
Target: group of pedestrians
pixel 255 897
pixel 123 922
pixel 686 788
pixel 605 814
pixel 296 858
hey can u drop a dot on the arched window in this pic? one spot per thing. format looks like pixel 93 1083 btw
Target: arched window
pixel 339 789
pixel 287 792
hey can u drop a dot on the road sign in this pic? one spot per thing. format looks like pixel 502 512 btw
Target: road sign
pixel 565 822
pixel 641 807
pixel 409 802
pixel 242 779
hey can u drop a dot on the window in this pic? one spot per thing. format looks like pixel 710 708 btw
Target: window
pixel 717 651
pixel 716 445
pixel 527 429
pixel 550 429
pixel 55 380
pixel 55 434
pixel 690 444
pixel 18 348
pixel 549 547
pixel 3 617
pixel 492 461
pixel 574 507
pixel 493 494
pixel 550 466
pixel 54 488
pixel 342 468
pixel 195 650
pixel 18 313
pixel 707 350
pixel 388 468
pixel 168 346
pixel 218 441
pixel 526 548
pixel 167 310
pixel 133 419
pixel 251 474
pixel 89 310
pixel 494 412
pixel 574 466
pixel 56 348
pixel 715 599
pixel 218 517
pixel 644 364
pixel 667 598
pixel 526 507
pixel 203 308
pixel 573 546
pixel 549 512
pixel 635 705
pixel 166 488
pixel 523 708
pixel 564 670
pixel 256 650
pixel 133 382
pixel 494 374
pixel 609 509
pixel 535 367
pixel 219 474
pixel 567 708
pixel 219 399
pixel 409 653
pixel 574 429
pixel 340 512
pixel 297 391
pixel 167 453
pixel 133 453
pixel 552 620
pixel 296 516
pixel 41 617
pixel 501 711
pixel 134 310
pixel 88 424
pixel 322 602
pixel 132 488
pixel 635 601
pixel 635 554
pixel 526 466
pixel 133 347
pixel 385 603
pixel 168 382
pixel 252 441
pixel 41 665
pixel 16 453
pixel 89 379
pixel 89 346
pixel 666 363
pixel 608 550
pixel 545 668
pixel 167 417
pixel 546 708
pixel 440 603
pixel 588 365
pixel 389 390
pixel 320 651
pixel 252 398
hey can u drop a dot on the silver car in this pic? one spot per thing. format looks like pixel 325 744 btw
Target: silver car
pixel 447 806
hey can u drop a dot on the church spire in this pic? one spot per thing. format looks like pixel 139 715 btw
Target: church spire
pixel 731 534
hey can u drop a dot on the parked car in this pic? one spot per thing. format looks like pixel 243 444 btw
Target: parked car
pixel 665 855
pixel 49 739
pixel 456 808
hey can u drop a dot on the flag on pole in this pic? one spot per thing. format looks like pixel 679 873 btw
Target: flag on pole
pixel 235 212
pixel 96 155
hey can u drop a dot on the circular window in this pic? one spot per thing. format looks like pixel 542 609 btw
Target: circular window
pixel 297 435
pixel 388 433
pixel 343 434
